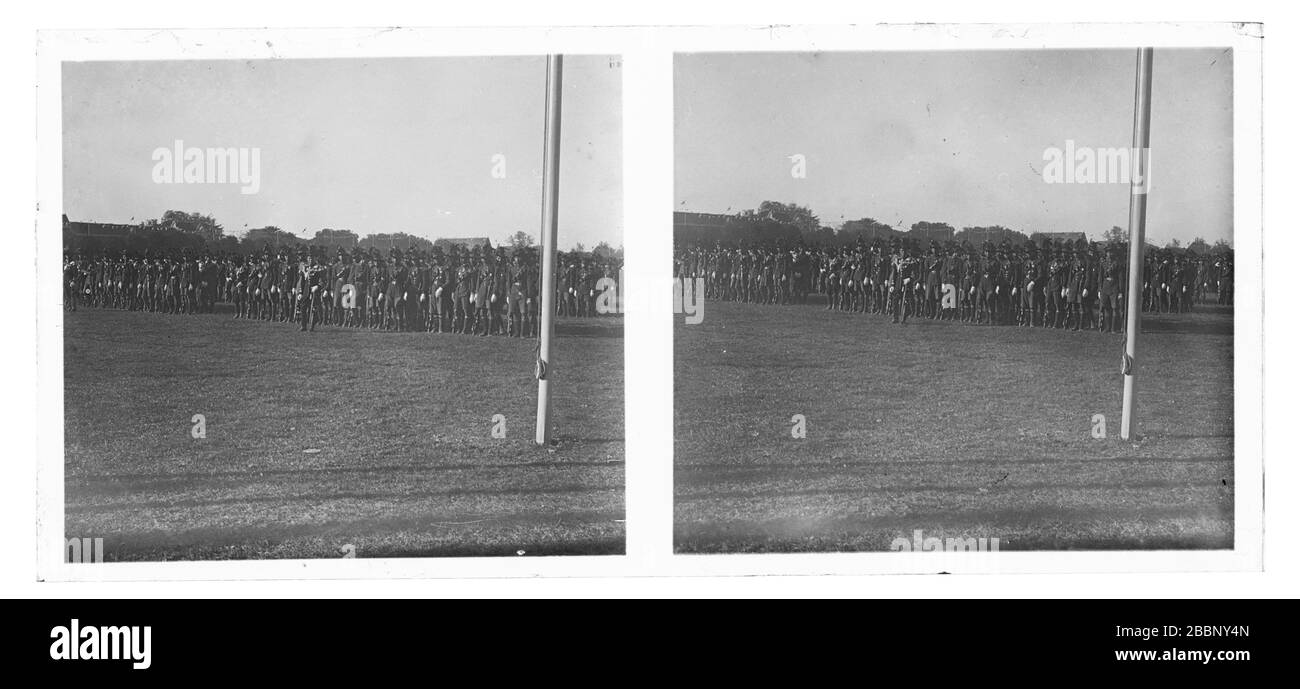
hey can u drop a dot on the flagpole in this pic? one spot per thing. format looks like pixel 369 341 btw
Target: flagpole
pixel 550 218
pixel 1137 220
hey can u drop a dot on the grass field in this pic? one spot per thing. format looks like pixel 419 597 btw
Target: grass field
pixel 380 441
pixel 960 431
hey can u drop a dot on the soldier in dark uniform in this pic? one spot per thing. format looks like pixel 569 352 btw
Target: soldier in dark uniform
pixel 517 276
pixel 781 276
pixel 1031 277
pixel 533 295
pixel 497 292
pixel 1057 276
pixel 1177 285
pixel 1088 295
pixel 71 286
pixel 310 285
pixel 1073 290
pixel 358 275
pixel 987 292
pixel 933 282
pixel 1113 279
pixel 398 275
pixel 463 290
pixel 898 282
pixel 847 290
pixel 1224 280
pixel 378 306
pixel 1007 281
pixel 831 282
pixel 239 278
pixel 482 292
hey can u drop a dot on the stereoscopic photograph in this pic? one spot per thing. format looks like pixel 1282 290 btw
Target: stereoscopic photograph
pixel 337 308
pixel 955 300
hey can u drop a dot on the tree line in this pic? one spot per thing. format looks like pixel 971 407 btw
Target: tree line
pixel 774 222
pixel 198 232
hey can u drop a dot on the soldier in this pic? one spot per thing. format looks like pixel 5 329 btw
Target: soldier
pixel 847 291
pixel 439 293
pixel 377 306
pixel 482 292
pixel 71 273
pixel 238 280
pixel 462 295
pixel 1057 277
pixel 587 287
pixel 1031 276
pixel 898 282
pixel 359 276
pixel 1113 278
pixel 517 276
pixel 933 281
pixel 1074 286
pixel 208 276
pixel 1224 282
pixel 395 299
pixel 1177 285
pixel 532 296
pixel 498 292
pixel 1088 295
pixel 310 286
pixel 1008 282
pixel 987 292
pixel 801 267
pixel 833 296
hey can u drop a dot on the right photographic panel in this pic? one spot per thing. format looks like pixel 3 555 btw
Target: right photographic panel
pixel 954 300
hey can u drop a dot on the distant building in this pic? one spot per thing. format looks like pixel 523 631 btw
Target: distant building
pixel 94 229
pixel 688 224
pixel 931 234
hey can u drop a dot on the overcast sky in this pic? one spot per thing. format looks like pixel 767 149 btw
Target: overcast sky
pixel 373 146
pixel 956 137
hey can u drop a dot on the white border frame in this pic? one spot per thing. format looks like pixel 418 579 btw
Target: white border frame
pixel 648 191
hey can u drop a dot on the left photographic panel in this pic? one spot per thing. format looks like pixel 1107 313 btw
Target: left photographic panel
pixel 306 313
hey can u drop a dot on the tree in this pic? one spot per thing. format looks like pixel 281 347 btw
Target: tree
pixel 402 241
pixel 1115 234
pixel 773 222
pixel 800 217
pixel 1173 244
pixel 607 252
pixel 1199 246
pixel 521 240
pixel 261 238
pixel 192 223
pixel 228 244
pixel 820 236
pixel 866 230
pixel 994 234
pixel 329 237
pixel 927 226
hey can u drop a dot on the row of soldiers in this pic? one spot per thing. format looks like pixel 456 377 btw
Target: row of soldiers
pixel 1074 286
pixel 473 292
